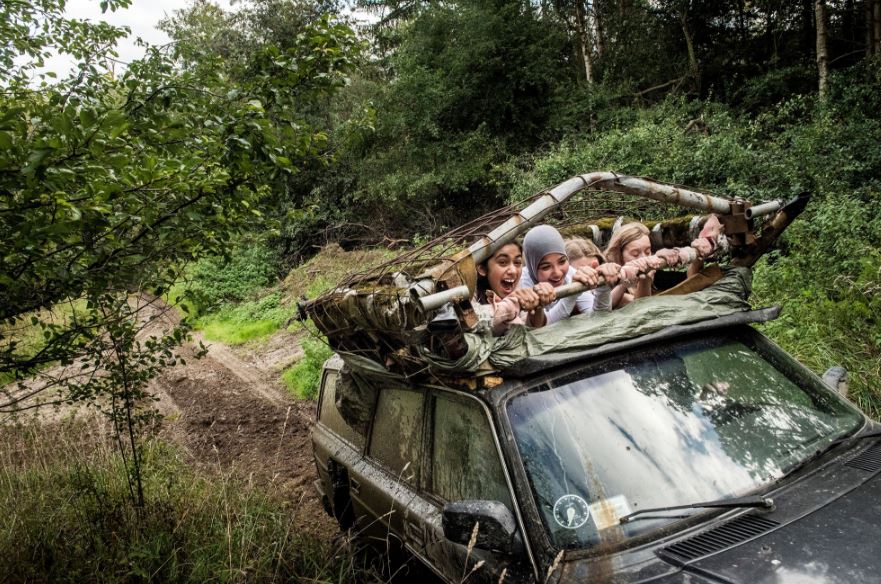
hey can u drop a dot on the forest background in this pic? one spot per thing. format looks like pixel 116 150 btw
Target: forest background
pixel 221 163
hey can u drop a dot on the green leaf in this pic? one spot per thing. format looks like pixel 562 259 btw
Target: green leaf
pixel 87 117
pixel 36 160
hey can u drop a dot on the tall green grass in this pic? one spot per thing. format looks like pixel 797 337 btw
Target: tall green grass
pixel 68 517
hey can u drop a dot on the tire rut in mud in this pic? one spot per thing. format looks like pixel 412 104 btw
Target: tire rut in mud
pixel 231 416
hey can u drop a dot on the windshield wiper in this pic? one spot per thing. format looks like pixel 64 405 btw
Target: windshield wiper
pixel 733 503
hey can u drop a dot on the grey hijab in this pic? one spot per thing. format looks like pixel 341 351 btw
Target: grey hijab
pixel 539 242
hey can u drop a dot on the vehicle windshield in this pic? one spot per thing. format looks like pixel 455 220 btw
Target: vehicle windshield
pixel 695 421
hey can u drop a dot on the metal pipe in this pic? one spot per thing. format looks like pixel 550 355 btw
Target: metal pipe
pixel 763 209
pixel 483 248
pixel 596 181
pixel 515 225
pixel 435 301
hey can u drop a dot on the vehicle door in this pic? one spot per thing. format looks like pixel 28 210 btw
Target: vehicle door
pixel 337 447
pixel 463 461
pixel 385 481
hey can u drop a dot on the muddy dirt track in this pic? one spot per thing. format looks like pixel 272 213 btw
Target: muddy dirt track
pixel 229 410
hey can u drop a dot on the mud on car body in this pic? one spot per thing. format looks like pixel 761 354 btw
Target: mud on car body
pixel 698 453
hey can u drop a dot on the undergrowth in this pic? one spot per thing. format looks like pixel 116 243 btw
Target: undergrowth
pixel 235 324
pixel 303 378
pixel 68 517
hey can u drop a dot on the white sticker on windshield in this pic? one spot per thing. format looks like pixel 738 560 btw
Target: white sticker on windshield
pixel 607 512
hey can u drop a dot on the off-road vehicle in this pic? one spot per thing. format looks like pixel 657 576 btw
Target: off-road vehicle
pixel 668 441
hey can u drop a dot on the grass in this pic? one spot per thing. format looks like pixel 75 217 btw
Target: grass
pixel 822 328
pixel 238 323
pixel 29 338
pixel 302 379
pixel 235 324
pixel 68 518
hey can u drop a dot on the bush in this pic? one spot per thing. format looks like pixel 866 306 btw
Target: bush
pixel 304 378
pixel 214 281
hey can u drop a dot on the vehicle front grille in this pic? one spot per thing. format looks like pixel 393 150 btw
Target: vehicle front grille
pixel 869 460
pixel 729 534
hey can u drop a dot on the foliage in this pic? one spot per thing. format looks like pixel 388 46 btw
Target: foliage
pixel 63 496
pixel 235 324
pixel 304 378
pixel 216 280
pixel 111 184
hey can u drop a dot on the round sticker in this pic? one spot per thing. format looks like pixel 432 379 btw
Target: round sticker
pixel 571 511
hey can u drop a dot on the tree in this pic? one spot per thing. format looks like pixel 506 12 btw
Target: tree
pixel 111 185
pixel 470 83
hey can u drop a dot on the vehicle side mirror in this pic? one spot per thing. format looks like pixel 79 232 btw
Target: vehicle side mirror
pixel 836 378
pixel 497 529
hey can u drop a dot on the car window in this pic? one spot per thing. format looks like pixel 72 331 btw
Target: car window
pixel 396 437
pixel 465 460
pixel 330 415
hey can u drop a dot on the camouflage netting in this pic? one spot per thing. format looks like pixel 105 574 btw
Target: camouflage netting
pixel 376 314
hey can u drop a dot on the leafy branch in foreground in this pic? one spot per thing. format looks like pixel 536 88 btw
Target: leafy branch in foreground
pixel 109 185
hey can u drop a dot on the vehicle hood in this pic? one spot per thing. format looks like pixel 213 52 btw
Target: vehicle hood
pixel 820 533
pixel 837 543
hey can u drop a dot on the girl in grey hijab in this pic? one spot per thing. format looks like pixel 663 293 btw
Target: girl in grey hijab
pixel 547 267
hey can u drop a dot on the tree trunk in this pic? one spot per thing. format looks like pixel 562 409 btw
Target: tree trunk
pixel 600 31
pixel 822 48
pixel 694 69
pixel 867 13
pixel 877 28
pixel 770 35
pixel 584 40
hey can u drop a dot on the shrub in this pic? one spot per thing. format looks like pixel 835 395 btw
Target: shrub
pixel 214 281
pixel 304 378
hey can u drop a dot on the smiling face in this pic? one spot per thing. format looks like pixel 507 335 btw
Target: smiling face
pixel 552 269
pixel 639 248
pixel 503 270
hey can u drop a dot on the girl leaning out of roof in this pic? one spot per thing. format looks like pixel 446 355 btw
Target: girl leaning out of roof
pixel 498 298
pixel 548 268
pixel 628 246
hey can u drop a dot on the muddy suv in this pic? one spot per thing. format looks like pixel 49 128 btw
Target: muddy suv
pixel 698 453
